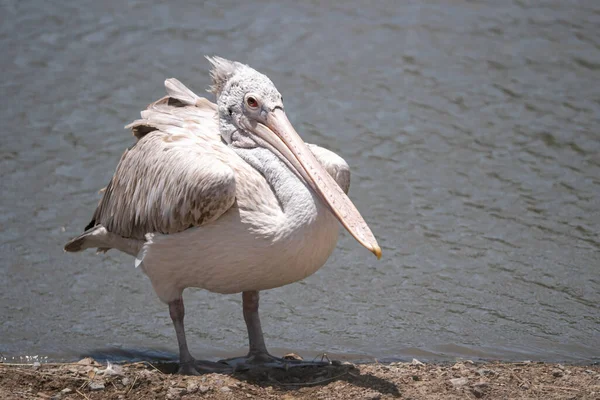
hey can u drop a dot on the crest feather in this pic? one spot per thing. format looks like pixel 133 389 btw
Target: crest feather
pixel 221 72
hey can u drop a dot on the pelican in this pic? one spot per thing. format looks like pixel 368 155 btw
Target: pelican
pixel 225 197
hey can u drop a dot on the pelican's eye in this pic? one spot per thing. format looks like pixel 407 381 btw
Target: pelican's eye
pixel 252 102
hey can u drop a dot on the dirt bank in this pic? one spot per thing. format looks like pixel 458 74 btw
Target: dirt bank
pixel 464 380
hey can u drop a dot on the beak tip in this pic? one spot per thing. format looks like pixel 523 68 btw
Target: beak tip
pixel 377 251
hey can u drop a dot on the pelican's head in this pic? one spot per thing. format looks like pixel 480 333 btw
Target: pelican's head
pixel 251 114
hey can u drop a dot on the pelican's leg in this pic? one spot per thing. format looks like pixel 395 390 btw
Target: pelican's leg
pixel 187 364
pixel 258 354
pixel 258 351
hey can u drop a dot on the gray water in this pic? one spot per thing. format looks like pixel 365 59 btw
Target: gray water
pixel 472 130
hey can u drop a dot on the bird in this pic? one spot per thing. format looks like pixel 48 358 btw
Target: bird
pixel 224 197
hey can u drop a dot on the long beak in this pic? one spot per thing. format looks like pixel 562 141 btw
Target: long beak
pixel 280 133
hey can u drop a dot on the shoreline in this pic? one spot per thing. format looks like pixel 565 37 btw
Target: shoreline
pixel 90 380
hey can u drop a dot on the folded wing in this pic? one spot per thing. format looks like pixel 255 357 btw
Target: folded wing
pixel 175 176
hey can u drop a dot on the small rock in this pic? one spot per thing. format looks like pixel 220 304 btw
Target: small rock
pixel 36 365
pixel 477 392
pixel 66 391
pixel 292 356
pixel 485 372
pixel 525 385
pixel 87 361
pixel 589 371
pixel 336 363
pixel 203 389
pixel 561 367
pixel 125 381
pixel 192 387
pixel 458 382
pixel 93 386
pixel 522 363
pixel 416 378
pixel 557 373
pixel 372 396
pixel 416 362
pixel 225 389
pixel 175 393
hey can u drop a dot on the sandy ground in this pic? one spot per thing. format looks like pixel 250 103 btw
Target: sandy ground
pixel 88 379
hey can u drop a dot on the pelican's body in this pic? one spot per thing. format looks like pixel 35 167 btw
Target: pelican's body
pixel 287 223
pixel 223 198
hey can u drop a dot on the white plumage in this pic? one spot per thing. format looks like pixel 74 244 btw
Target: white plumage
pixel 224 197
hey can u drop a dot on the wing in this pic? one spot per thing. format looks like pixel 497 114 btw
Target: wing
pixel 335 165
pixel 175 176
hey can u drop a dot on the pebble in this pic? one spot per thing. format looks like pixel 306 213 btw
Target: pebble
pixel 416 362
pixel 96 386
pixel 125 381
pixel 485 372
pixel 174 393
pixel 87 361
pixel 203 389
pixel 192 387
pixel 66 391
pixel 458 382
pixel 557 373
pixel 292 356
pixel 225 389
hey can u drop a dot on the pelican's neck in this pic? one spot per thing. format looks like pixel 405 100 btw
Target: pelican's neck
pixel 297 202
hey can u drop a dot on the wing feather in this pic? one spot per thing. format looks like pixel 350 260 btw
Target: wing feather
pixel 175 176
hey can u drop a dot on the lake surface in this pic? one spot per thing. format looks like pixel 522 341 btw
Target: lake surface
pixel 473 134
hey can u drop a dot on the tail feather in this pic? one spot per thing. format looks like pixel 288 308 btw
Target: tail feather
pixel 101 239
pixel 86 240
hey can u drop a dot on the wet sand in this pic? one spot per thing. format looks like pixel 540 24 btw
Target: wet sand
pixel 88 379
